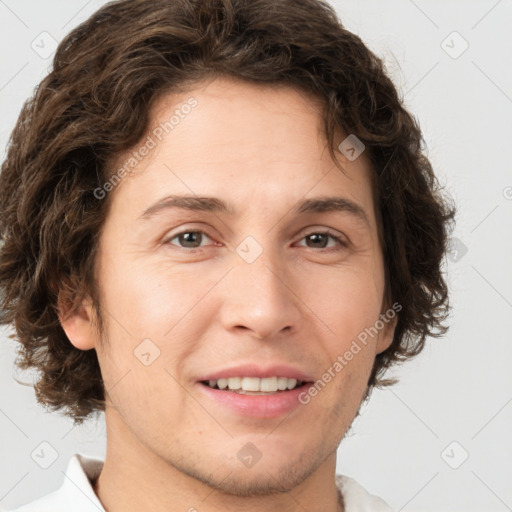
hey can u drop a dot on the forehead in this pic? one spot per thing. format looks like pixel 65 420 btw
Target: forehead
pixel 256 145
pixel 240 114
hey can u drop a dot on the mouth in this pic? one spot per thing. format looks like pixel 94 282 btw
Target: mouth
pixel 255 385
pixel 263 398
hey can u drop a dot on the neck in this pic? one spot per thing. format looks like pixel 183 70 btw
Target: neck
pixel 134 478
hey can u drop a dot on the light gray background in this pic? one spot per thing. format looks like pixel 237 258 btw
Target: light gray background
pixel 460 388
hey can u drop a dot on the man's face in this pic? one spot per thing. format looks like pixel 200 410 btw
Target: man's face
pixel 259 286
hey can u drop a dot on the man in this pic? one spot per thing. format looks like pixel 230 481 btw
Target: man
pixel 219 228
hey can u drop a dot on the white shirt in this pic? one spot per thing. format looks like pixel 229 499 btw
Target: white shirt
pixel 77 495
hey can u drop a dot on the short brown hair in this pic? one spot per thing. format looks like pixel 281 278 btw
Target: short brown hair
pixel 94 104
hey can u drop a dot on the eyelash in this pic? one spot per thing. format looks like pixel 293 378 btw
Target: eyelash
pixel 341 243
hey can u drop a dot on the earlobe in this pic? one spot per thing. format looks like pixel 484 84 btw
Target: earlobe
pixel 386 335
pixel 77 323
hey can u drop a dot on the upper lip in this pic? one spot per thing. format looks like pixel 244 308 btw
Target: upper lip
pixel 253 370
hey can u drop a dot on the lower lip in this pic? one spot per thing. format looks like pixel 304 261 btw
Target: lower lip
pixel 257 406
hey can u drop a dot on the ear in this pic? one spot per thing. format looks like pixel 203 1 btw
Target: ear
pixel 386 334
pixel 77 322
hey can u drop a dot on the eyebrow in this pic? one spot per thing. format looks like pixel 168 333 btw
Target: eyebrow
pixel 216 205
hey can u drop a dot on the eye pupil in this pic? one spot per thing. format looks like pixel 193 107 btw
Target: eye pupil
pixel 189 237
pixel 315 236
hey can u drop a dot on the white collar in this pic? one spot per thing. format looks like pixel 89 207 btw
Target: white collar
pixel 77 494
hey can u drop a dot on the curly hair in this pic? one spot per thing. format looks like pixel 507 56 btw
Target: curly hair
pixel 94 104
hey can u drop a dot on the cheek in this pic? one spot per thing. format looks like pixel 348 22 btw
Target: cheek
pixel 156 315
pixel 149 336
pixel 349 302
pixel 152 298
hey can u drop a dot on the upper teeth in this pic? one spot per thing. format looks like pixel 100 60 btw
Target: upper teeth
pixel 269 384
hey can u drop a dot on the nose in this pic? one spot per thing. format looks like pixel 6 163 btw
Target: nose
pixel 260 298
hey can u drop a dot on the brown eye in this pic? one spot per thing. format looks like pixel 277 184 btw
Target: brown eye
pixel 319 240
pixel 189 239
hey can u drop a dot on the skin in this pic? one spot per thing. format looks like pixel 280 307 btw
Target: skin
pixel 170 447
